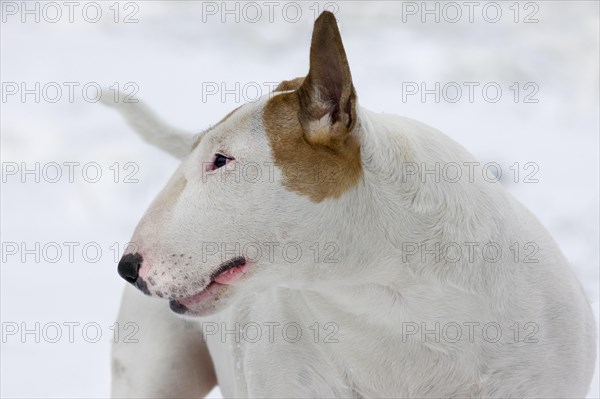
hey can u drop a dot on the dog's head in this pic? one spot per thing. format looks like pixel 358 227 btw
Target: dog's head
pixel 249 203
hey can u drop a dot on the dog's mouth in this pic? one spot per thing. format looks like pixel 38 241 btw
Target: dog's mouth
pixel 226 275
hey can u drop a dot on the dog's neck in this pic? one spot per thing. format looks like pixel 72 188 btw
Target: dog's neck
pixel 373 230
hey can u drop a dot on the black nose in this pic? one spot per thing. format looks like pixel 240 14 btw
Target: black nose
pixel 129 267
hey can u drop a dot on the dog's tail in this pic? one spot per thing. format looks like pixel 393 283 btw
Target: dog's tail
pixel 149 126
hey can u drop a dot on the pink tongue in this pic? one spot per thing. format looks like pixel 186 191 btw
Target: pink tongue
pixel 231 276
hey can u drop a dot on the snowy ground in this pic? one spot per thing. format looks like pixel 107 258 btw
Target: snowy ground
pixel 174 53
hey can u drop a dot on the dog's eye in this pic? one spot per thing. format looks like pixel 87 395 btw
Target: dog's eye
pixel 220 161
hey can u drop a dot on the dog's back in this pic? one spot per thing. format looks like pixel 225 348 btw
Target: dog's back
pixel 508 262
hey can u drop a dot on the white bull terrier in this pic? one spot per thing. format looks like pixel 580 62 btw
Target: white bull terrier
pixel 313 253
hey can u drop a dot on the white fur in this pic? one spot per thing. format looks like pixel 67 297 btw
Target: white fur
pixel 373 291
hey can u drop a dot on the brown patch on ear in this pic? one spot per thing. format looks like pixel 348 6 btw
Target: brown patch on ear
pixel 311 129
pixel 327 95
pixel 315 170
pixel 288 85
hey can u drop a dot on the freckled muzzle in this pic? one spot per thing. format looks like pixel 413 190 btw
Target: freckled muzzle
pixel 129 268
pixel 220 281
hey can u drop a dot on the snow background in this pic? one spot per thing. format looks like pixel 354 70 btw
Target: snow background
pixel 170 52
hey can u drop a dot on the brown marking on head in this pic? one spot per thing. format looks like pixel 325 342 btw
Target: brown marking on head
pixel 312 129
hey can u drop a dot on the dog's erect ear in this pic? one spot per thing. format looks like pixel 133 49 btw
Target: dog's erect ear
pixel 327 97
